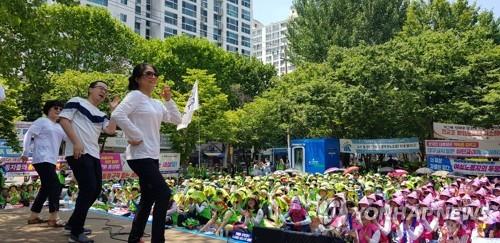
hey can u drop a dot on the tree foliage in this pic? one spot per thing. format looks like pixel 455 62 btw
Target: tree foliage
pixel 45 39
pixel 209 122
pixel 240 77
pixel 457 16
pixel 75 83
pixel 395 89
pixel 346 23
pixel 10 114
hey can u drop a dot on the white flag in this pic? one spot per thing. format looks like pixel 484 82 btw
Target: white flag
pixel 191 105
pixel 2 94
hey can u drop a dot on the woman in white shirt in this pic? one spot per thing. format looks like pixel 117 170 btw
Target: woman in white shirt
pixel 140 117
pixel 47 136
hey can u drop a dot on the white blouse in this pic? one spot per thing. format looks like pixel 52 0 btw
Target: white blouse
pixel 140 117
pixel 47 137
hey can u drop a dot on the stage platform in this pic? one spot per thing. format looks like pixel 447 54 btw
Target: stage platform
pixel 13 228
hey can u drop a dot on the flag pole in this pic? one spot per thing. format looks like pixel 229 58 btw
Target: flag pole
pixel 199 144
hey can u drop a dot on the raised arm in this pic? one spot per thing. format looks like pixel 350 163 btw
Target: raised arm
pixel 110 128
pixel 171 113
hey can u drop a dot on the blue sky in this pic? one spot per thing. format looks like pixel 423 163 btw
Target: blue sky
pixel 269 11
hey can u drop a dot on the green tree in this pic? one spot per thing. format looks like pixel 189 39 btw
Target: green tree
pixel 442 15
pixel 396 89
pixel 346 23
pixel 52 38
pixel 239 77
pixel 442 78
pixel 75 83
pixel 209 122
pixel 10 114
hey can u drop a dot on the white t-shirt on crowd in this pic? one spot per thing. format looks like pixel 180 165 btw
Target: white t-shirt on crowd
pixel 88 122
pixel 47 137
pixel 140 117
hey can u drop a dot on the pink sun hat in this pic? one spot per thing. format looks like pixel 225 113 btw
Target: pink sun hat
pixel 427 200
pixel 398 200
pixel 496 200
pixel 379 203
pixel 364 201
pixel 454 218
pixel 372 197
pixel 413 195
pixel 475 203
pixel 476 183
pixel 445 193
pixel 452 201
pixel 493 218
pixel 340 195
pixel 397 194
pixel 482 192
pixel 437 205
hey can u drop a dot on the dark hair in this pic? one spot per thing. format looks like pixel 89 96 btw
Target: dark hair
pixel 256 207
pixel 137 73
pixel 51 103
pixel 350 204
pixel 93 84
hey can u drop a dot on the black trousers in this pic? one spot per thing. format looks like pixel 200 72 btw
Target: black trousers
pixel 50 188
pixel 88 174
pixel 154 190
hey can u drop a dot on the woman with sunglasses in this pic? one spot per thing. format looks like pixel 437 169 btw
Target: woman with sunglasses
pixel 46 134
pixel 140 117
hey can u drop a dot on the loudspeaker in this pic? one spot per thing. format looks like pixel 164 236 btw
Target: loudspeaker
pixel 266 235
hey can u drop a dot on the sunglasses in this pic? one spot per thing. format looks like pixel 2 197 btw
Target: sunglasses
pixel 57 108
pixel 150 74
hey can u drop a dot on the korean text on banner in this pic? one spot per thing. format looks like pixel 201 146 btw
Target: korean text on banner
pixel 464 132
pixel 16 167
pixel 111 162
pixel 169 163
pixel 464 166
pixel 379 146
pixel 457 148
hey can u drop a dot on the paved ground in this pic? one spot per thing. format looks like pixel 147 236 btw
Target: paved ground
pixel 13 228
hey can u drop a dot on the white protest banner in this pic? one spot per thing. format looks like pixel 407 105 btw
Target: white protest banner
pixel 379 146
pixel 464 132
pixel 191 106
pixel 457 148
pixel 170 163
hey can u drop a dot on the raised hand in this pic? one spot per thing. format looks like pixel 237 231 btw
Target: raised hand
pixel 166 94
pixel 114 103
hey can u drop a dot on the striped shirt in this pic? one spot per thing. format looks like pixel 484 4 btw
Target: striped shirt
pixel 88 122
